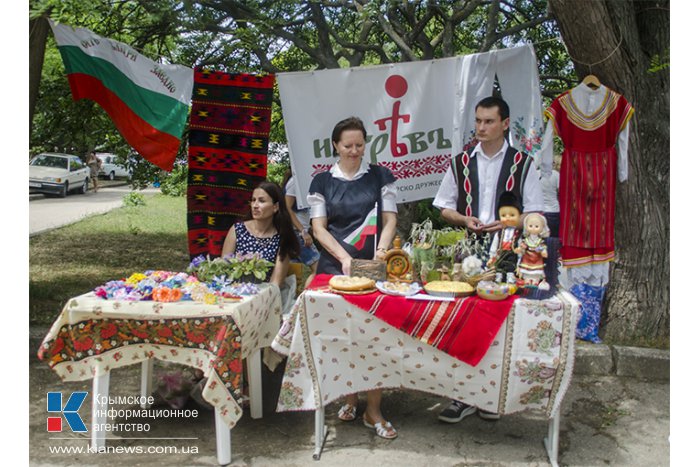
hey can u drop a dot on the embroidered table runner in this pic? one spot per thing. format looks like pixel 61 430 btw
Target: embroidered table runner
pixel 463 328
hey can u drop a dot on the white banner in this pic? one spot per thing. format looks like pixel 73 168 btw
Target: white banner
pixel 417 114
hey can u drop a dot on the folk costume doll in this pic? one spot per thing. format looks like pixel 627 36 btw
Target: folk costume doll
pixel 593 126
pixel 503 255
pixel 532 249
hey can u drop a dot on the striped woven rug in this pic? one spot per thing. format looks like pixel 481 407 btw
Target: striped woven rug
pixel 229 135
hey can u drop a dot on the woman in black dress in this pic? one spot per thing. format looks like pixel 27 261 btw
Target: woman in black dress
pixel 340 201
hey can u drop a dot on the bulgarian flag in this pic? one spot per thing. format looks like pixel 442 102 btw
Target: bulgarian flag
pixel 369 227
pixel 147 101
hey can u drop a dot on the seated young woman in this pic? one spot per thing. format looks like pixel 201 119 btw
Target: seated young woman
pixel 268 232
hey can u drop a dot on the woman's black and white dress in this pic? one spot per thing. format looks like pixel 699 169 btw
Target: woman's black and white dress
pixel 346 203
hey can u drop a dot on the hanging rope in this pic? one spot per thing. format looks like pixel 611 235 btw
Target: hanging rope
pixel 590 65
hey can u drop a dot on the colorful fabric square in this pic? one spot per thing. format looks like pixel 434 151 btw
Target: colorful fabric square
pixel 591 298
pixel 93 337
pixel 464 328
pixel 229 135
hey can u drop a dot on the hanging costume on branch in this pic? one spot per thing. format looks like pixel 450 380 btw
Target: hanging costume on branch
pixel 590 122
pixel 229 131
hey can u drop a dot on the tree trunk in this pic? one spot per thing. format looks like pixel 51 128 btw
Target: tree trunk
pixel 38 32
pixel 619 39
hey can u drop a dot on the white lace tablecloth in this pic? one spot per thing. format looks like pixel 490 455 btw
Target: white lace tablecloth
pixel 92 336
pixel 336 349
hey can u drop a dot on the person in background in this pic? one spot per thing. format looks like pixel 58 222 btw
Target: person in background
pixel 269 232
pixel 94 163
pixel 302 223
pixel 342 201
pixel 550 197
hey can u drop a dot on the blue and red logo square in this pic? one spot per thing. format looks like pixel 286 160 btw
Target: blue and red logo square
pixel 54 404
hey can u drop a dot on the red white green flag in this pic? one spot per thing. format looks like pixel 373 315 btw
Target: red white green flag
pixel 369 227
pixel 147 101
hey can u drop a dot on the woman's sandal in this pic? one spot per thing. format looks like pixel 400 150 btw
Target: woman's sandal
pixel 383 429
pixel 347 413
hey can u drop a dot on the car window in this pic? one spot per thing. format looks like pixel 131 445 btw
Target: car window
pixel 45 160
pixel 76 164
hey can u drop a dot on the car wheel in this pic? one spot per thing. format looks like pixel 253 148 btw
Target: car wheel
pixel 111 175
pixel 64 191
pixel 84 187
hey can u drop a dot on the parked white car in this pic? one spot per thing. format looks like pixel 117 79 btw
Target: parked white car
pixel 110 168
pixel 58 174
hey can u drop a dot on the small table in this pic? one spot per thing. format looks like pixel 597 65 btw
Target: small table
pixel 93 336
pixel 337 348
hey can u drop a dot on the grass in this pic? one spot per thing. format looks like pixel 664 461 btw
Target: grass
pixel 72 260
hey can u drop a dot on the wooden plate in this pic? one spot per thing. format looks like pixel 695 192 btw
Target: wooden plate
pixel 436 293
pixel 353 292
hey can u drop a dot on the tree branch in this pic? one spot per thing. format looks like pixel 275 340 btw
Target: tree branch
pixel 389 31
pixel 325 48
pixel 491 25
pixel 516 29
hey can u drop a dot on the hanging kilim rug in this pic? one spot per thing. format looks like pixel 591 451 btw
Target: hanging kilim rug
pixel 229 130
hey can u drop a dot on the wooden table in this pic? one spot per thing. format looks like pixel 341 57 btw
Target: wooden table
pixel 335 348
pixel 92 336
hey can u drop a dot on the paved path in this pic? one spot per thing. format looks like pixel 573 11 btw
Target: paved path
pixel 49 213
pixel 606 420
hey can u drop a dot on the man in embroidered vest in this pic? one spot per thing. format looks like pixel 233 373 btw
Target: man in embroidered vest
pixel 469 190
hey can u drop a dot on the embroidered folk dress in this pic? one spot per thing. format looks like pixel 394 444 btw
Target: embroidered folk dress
pixel 532 262
pixel 588 175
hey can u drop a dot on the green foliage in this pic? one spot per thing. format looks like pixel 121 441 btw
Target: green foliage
pixel 276 171
pixel 426 211
pixel 230 268
pixel 660 62
pixel 175 183
pixel 134 199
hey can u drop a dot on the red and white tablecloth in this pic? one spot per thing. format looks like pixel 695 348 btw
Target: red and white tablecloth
pixel 336 348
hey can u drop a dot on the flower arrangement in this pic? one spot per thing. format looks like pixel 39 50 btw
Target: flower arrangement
pixel 164 286
pixel 167 286
pixel 436 253
pixel 226 270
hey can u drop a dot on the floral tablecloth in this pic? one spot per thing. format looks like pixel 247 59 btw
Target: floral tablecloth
pixel 93 335
pixel 337 349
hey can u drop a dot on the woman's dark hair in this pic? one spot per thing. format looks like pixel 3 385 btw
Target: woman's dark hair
pixel 493 101
pixel 289 243
pixel 350 123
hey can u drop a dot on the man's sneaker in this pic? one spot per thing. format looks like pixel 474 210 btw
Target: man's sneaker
pixel 456 412
pixel 488 415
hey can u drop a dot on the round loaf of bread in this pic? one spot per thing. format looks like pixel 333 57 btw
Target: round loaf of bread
pixel 351 283
pixel 448 287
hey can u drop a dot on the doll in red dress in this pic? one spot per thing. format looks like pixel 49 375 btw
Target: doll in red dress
pixel 532 249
